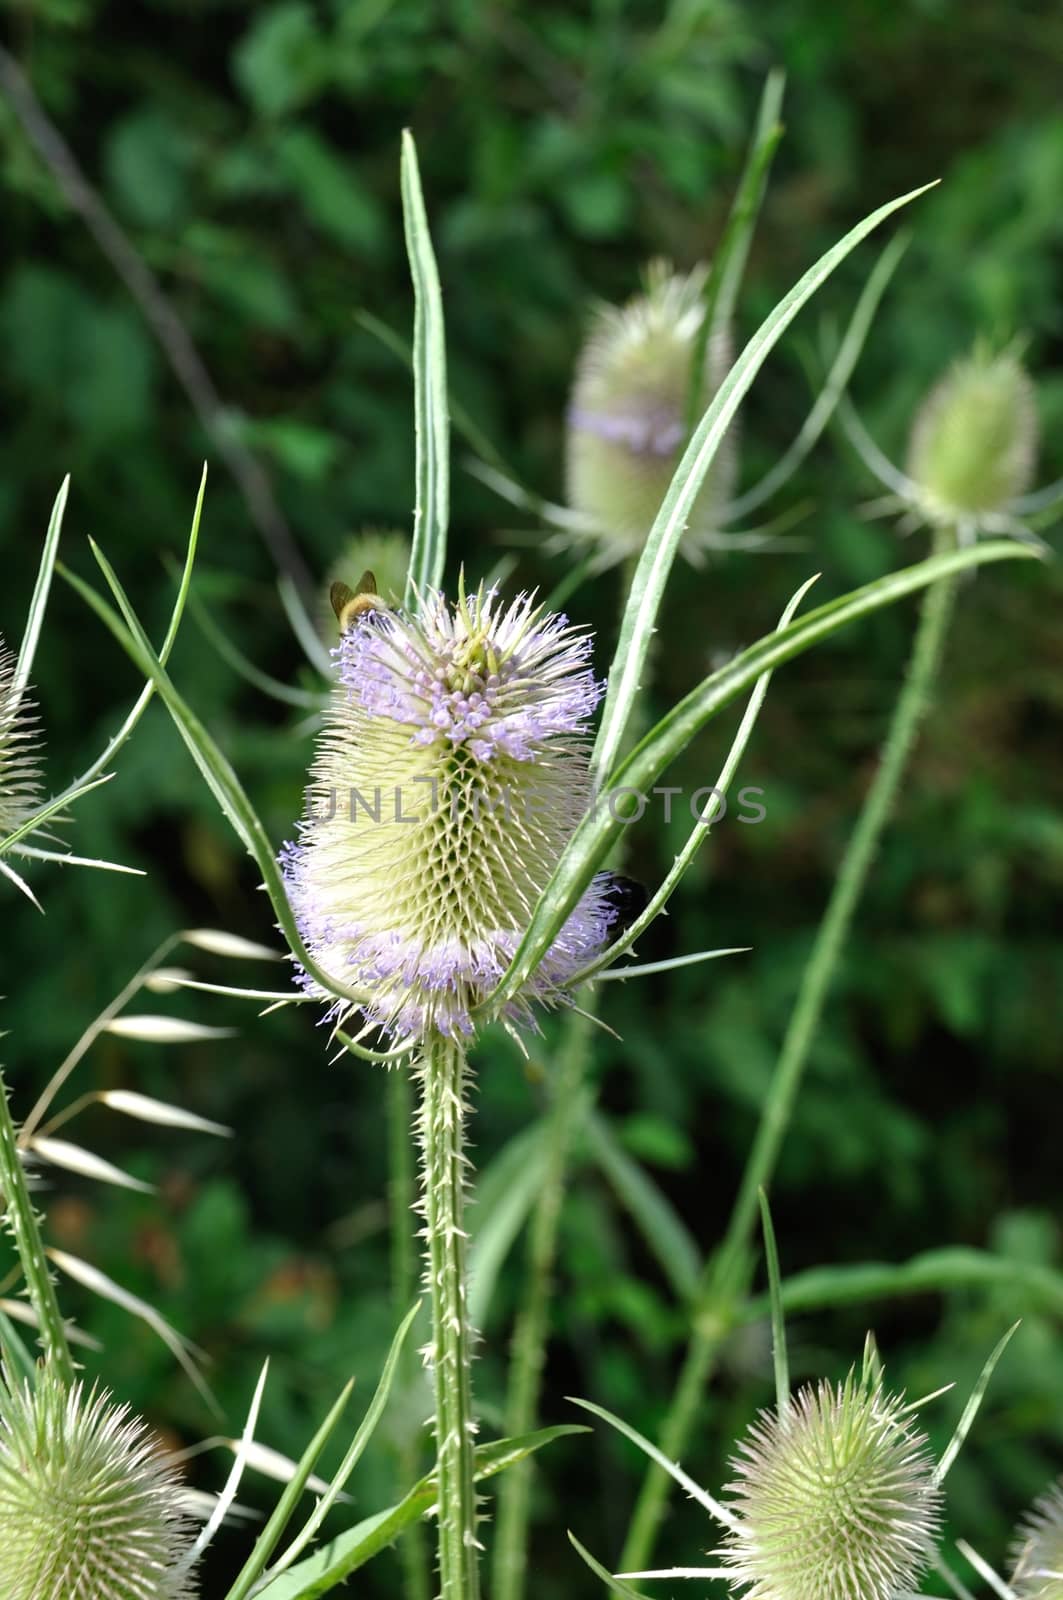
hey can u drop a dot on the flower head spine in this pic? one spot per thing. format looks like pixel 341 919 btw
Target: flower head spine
pixel 20 785
pixel 1038 1553
pixel 89 1505
pixel 834 1500
pixel 452 770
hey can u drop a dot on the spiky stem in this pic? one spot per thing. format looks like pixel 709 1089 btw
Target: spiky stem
pixel 442 1075
pixel 722 1283
pixel 412 1549
pixel 21 1218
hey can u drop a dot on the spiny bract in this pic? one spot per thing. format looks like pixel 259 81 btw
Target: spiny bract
pixel 451 772
pixel 1039 1549
pixel 628 412
pixel 835 1500
pixel 974 443
pixel 20 788
pixel 89 1506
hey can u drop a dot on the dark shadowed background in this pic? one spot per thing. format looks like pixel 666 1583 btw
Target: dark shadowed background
pixel 250 153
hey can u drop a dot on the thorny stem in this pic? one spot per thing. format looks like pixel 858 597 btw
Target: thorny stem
pixel 442 1075
pixel 21 1218
pixel 413 1548
pixel 726 1274
pixel 509 1569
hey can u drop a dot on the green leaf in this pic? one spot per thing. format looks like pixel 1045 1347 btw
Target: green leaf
pixel 598 830
pixel 931 1272
pixel 39 600
pixel 218 773
pixel 729 260
pixel 505 1194
pixel 335 1561
pixel 651 575
pixel 673 1469
pixel 614 1585
pixel 366 1429
pixel 431 418
pixel 657 1219
pixel 778 1321
pixel 973 1406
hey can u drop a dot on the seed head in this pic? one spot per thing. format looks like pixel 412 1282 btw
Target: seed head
pixel 627 416
pixel 835 1500
pixel 89 1506
pixel 452 769
pixel 20 786
pixel 1038 1550
pixel 974 443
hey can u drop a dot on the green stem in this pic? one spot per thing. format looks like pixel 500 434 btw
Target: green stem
pixel 728 1271
pixel 509 1569
pixel 413 1549
pixel 22 1220
pixel 442 1075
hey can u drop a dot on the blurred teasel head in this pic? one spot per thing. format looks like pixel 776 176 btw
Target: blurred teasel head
pixel 834 1499
pixel 1038 1554
pixel 974 443
pixel 20 766
pixel 628 415
pixel 450 774
pixel 89 1505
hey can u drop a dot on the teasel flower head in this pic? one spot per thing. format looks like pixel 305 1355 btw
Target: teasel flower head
pixel 385 552
pixel 451 771
pixel 974 443
pixel 627 417
pixel 1038 1553
pixel 20 786
pixel 89 1505
pixel 834 1499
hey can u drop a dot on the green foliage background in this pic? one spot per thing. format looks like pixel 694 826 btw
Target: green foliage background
pixel 251 152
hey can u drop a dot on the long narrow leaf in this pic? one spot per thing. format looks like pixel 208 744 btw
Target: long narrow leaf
pixel 505 1194
pixel 614 1585
pixel 142 701
pixel 673 1469
pixel 972 1408
pixel 729 261
pixel 931 1272
pixel 598 829
pixel 660 1224
pixel 429 388
pixel 232 1482
pixel 216 769
pixel 39 599
pixel 834 386
pixel 651 575
pixel 342 1556
pixel 272 1533
pixel 778 1321
pixel 362 1437
pixel 698 834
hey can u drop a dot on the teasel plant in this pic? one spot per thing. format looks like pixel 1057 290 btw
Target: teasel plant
pixel 465 690
pixel 28 820
pixel 835 1492
pixel 639 384
pixel 971 459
